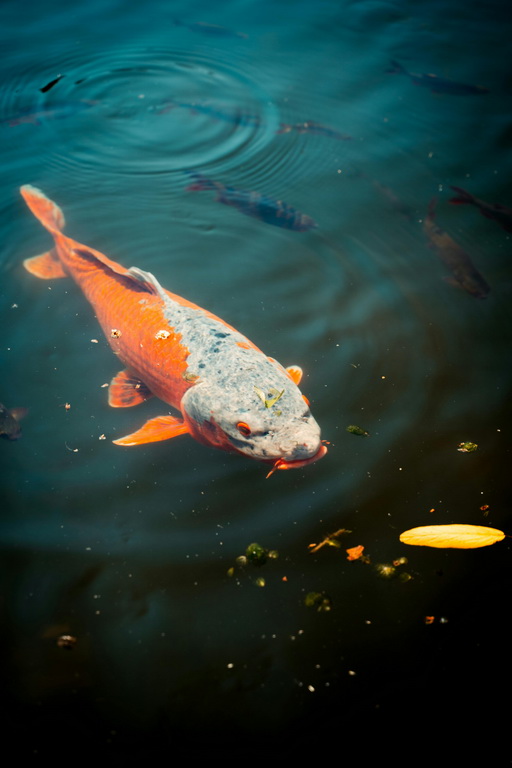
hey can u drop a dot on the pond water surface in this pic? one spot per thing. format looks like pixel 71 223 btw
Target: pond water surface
pixel 111 108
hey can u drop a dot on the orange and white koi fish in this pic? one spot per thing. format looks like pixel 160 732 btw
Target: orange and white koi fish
pixel 230 395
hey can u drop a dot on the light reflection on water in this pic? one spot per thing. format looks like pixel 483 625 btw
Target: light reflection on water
pixel 129 549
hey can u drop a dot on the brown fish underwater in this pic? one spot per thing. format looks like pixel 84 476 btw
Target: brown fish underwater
pixel 465 274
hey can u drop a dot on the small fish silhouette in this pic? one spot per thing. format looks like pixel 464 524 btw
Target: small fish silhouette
pixel 50 85
pixel 465 274
pixel 55 112
pixel 210 110
pixel 215 30
pixel 254 204
pixel 9 422
pixel 316 129
pixel 438 84
pixel 495 211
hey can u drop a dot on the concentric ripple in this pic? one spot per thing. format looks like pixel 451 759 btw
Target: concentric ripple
pixel 156 111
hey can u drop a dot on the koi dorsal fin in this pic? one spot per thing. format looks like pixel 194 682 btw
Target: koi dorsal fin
pixel 44 209
pixel 148 280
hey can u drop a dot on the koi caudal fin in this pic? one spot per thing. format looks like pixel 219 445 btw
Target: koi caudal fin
pixel 48 212
pixel 46 266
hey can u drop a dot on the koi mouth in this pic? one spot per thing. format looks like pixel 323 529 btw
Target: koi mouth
pixel 283 464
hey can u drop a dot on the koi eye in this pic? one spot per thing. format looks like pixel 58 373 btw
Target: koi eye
pixel 243 428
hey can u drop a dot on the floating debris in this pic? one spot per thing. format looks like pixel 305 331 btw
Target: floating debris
pixel 356 553
pixel 329 541
pixel 355 430
pixel 255 555
pixel 271 398
pixel 162 334
pixel 318 600
pixel 385 570
pixel 66 641
pixel 115 333
pixel 258 555
pixel 457 536
pixel 467 447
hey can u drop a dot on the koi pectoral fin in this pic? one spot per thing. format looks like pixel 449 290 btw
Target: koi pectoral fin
pixel 154 430
pixel 295 373
pixel 126 390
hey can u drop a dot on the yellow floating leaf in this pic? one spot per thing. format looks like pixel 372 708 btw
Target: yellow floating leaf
pixel 458 536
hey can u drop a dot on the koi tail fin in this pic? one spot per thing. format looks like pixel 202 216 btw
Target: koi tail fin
pixel 461 197
pixel 396 68
pixel 48 212
pixel 46 266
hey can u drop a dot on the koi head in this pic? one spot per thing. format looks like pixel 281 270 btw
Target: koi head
pixel 270 424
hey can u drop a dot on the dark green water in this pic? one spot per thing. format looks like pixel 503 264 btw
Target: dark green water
pixel 128 549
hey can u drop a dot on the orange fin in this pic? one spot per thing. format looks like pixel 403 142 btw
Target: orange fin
pixel 126 390
pixel 161 428
pixel 47 266
pixel 295 373
pixel 44 209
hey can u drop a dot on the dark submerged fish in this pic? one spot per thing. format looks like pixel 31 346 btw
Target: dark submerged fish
pixel 215 30
pixel 438 84
pixel 210 110
pixel 55 112
pixel 495 211
pixel 50 85
pixel 9 422
pixel 254 204
pixel 316 129
pixel 464 272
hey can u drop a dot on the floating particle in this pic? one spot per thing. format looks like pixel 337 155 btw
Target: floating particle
pixel 385 570
pixel 260 581
pixel 467 447
pixel 329 541
pixel 115 333
pixel 355 553
pixel 162 334
pixel 66 641
pixel 355 430
pixel 429 619
pixel 102 437
pixel 256 554
pixel 318 600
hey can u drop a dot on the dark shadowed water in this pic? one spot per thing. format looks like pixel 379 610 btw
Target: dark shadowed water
pixel 129 550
